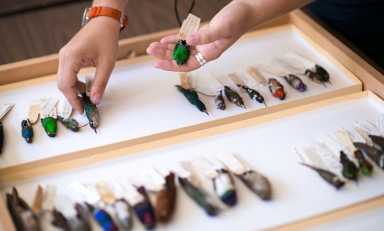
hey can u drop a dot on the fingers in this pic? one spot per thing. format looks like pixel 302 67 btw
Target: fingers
pixel 103 72
pixel 161 50
pixel 205 36
pixel 171 39
pixel 67 79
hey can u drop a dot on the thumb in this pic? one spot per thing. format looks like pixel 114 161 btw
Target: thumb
pixel 205 36
pixel 103 72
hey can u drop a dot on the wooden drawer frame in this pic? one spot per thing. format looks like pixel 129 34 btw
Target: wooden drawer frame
pixel 30 72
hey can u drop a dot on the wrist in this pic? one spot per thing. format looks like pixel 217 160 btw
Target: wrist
pixel 115 4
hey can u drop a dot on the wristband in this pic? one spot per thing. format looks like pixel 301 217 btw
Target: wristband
pixel 92 12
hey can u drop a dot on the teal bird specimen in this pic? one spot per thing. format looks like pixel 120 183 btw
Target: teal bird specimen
pixel 91 112
pixel 193 98
pixel 200 196
pixel 26 130
pixel 328 177
pixel 69 123
pixel 350 171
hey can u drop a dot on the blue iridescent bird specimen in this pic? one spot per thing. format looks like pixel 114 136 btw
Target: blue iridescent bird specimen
pixel 253 94
pixel 295 82
pixel 91 112
pixel 103 218
pixel 193 98
pixel 224 187
pixel 144 210
pixel 26 130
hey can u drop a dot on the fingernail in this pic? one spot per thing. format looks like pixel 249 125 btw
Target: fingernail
pixel 96 98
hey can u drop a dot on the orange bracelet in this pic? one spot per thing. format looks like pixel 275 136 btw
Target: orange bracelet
pixel 92 12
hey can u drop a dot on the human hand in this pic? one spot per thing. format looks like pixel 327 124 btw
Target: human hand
pixel 211 40
pixel 96 45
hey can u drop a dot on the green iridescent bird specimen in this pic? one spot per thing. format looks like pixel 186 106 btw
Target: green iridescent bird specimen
pixel 258 183
pixel 199 196
pixel 328 177
pixel 69 123
pixel 219 101
pixel 193 98
pixel 364 165
pixel 26 130
pixel 253 94
pixel 376 155
pixel 91 112
pixel 350 171
pixel 234 97
pixel 50 126
pixel 181 51
pixel 22 216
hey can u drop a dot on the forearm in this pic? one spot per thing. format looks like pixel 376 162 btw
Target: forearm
pixel 116 4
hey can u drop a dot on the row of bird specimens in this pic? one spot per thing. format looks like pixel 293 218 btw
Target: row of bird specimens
pixel 330 155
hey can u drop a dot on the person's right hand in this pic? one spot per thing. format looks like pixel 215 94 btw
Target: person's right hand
pixel 211 40
pixel 96 45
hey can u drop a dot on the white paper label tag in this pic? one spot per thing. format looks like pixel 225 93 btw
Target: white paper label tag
pixel 224 81
pixel 344 139
pixel 231 162
pixel 301 155
pixel 46 106
pixel 290 65
pixel 268 68
pixel 314 157
pixel 64 108
pixel 252 71
pixel 190 25
pixel 188 166
pixel 163 171
pixel 105 192
pixel 65 207
pixel 180 172
pixel 363 133
pixel 203 87
pixel 4 109
pixel 49 195
pixel 333 146
pixel 368 127
pixel 88 85
pixel 204 167
pixel 90 196
pixel 242 161
pixel 24 110
pixel 34 110
pixel 53 113
pixel 329 159
pixel 130 194
pixel 213 162
pixel 236 80
pixel 212 82
pixel 141 180
pixel 380 122
pixel 353 134
pixel 299 59
pixel 247 78
pixel 153 175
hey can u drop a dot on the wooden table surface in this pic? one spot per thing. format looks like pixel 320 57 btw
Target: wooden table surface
pixel 37 30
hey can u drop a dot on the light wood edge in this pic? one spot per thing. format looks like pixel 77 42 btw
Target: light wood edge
pixel 93 155
pixel 371 78
pixel 333 60
pixel 333 216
